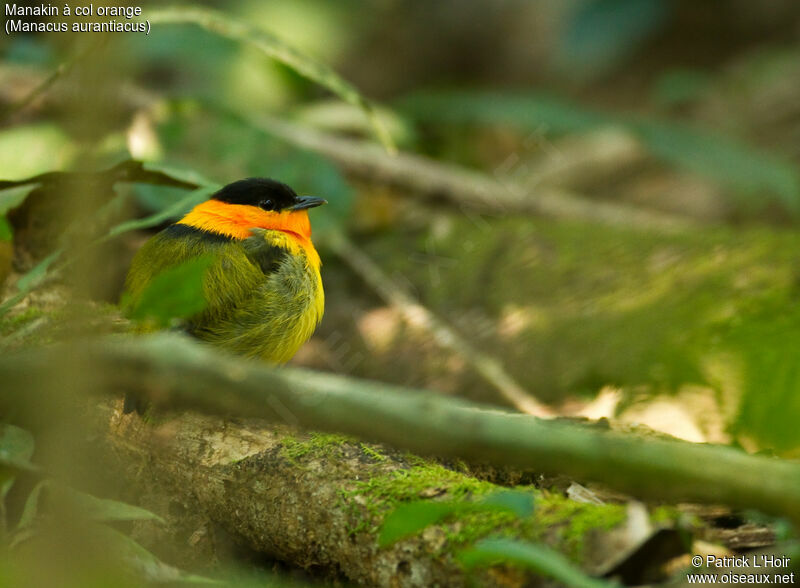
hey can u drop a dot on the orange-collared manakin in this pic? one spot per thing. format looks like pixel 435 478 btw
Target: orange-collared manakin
pixel 262 288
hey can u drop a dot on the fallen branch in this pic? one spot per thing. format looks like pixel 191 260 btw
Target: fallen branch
pixel 317 501
pixel 176 372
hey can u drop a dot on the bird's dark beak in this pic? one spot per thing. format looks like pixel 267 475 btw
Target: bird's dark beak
pixel 303 202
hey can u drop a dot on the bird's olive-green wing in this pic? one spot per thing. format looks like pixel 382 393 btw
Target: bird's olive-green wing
pixel 263 253
pixel 235 271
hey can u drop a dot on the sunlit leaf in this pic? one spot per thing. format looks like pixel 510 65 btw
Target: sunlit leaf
pixel 539 559
pixel 33 149
pixel 174 293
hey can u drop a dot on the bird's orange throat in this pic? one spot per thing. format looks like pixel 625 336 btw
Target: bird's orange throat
pixel 236 221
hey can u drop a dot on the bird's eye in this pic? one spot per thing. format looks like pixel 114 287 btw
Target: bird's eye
pixel 266 204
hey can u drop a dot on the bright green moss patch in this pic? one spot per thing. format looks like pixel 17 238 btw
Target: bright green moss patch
pixel 570 521
pixel 369 501
pixel 318 445
pixel 372 453
pixel 556 519
pixel 665 515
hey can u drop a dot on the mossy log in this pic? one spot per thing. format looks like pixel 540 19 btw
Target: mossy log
pixel 317 500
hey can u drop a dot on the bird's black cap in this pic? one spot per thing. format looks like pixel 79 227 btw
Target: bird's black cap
pixel 265 193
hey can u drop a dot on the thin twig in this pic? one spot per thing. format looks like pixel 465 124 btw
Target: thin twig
pixel 417 315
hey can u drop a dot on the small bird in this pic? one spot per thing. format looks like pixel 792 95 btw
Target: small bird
pixel 263 288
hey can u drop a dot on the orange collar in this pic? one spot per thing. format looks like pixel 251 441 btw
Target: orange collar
pixel 236 220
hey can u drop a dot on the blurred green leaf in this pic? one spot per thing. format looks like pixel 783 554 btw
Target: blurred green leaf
pixel 600 33
pixel 105 511
pixel 409 519
pixel 31 509
pixel 29 281
pixel 536 558
pixel 536 113
pixel 33 149
pixel 16 450
pixel 6 232
pixel 275 48
pixel 13 197
pixel 679 86
pixel 14 192
pixel 174 211
pixel 181 174
pixel 144 562
pixel 174 293
pixel 519 503
pixel 766 343
pixel 339 117
pixel 727 161
pixel 413 517
pixel 722 159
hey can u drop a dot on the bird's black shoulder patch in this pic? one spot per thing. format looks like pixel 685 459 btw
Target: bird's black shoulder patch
pixel 183 231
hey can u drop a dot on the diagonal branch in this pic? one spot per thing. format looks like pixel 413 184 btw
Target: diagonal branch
pixel 417 315
pixel 462 186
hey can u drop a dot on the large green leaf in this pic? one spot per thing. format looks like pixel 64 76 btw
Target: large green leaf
pixel 174 293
